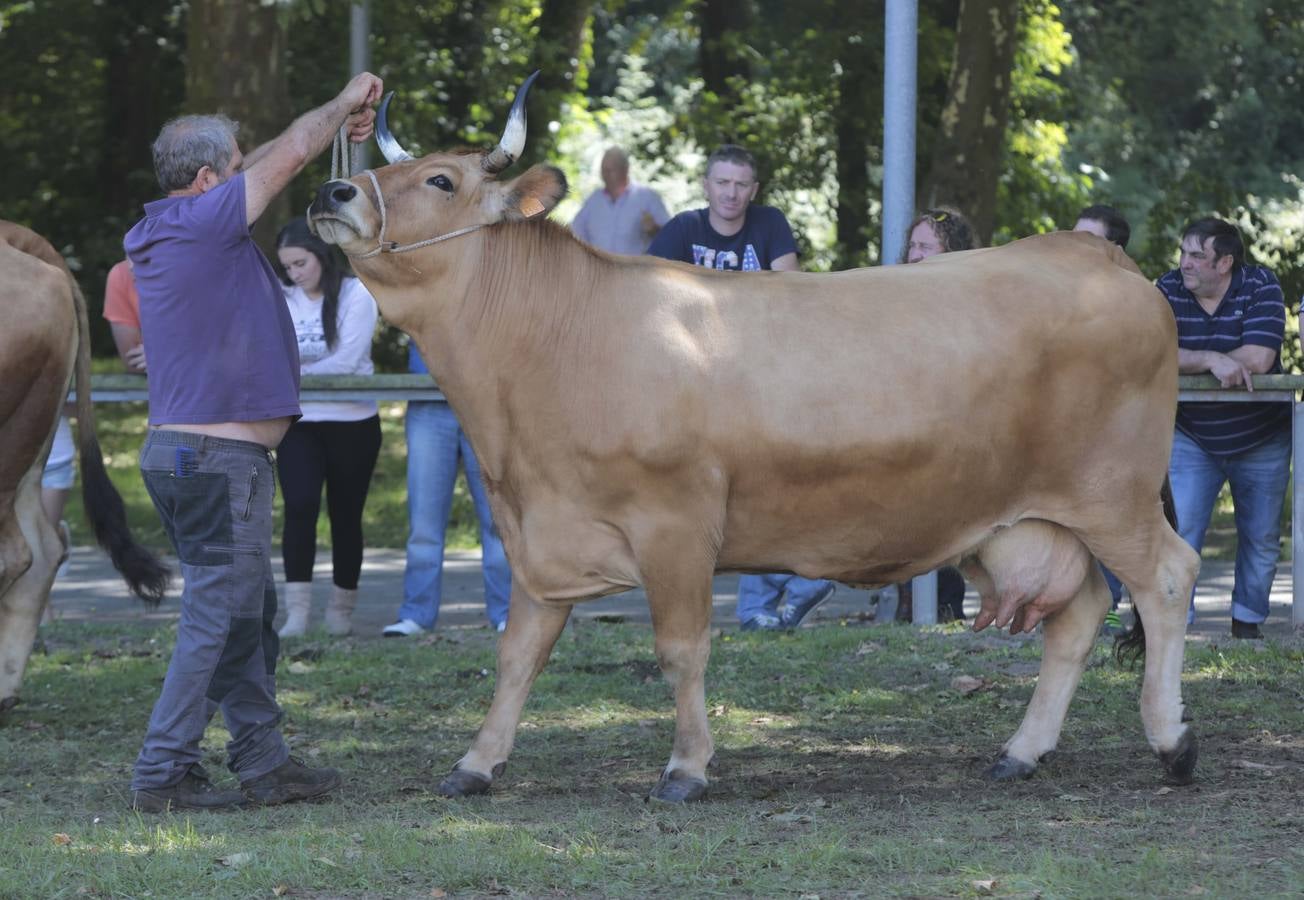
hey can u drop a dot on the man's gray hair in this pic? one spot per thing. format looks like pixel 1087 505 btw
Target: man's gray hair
pixel 187 144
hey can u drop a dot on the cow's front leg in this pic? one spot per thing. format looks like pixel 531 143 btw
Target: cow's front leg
pixel 1069 634
pixel 680 601
pixel 532 629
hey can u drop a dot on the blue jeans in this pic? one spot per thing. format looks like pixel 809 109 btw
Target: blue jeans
pixel 215 499
pixel 1258 480
pixel 762 593
pixel 435 444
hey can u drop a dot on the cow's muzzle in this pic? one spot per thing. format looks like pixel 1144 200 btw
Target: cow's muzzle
pixel 331 196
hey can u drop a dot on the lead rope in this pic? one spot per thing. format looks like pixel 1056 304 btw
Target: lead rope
pixel 342 155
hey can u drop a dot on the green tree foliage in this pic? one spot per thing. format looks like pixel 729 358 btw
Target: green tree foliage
pixel 87 87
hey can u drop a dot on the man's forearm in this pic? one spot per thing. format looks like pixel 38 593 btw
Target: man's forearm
pixel 308 135
pixel 1195 362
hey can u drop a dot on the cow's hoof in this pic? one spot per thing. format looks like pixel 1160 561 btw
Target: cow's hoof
pixel 678 787
pixel 1007 768
pixel 1179 763
pixel 8 703
pixel 465 783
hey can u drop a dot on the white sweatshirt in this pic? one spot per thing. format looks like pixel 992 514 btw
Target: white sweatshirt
pixel 356 325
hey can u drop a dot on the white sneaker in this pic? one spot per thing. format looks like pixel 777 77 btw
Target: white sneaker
pixel 402 628
pixel 501 626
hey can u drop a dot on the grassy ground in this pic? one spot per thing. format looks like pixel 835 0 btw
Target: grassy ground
pixel 122 430
pixel 847 766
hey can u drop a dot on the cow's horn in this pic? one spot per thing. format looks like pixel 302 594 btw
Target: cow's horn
pixel 388 146
pixel 513 140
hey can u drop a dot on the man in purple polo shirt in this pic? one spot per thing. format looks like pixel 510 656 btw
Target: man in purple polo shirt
pixel 223 389
pixel 1230 321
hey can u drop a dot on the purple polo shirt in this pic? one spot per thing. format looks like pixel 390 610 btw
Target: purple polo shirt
pixel 212 313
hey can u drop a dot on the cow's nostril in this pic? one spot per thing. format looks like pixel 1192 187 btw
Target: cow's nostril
pixel 344 193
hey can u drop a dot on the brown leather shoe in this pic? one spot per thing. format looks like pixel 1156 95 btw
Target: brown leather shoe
pixel 289 781
pixel 193 791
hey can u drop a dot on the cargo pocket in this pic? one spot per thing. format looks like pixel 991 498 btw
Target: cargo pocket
pixel 245 577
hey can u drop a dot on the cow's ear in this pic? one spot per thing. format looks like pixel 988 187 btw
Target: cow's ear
pixel 534 194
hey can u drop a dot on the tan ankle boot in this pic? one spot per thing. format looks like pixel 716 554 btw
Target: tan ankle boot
pixel 298 602
pixel 339 615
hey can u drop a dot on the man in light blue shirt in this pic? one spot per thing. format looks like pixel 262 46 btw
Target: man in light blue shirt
pixel 622 217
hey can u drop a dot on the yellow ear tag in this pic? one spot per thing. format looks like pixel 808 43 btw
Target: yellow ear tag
pixel 531 207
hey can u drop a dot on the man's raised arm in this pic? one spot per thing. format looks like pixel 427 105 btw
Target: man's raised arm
pixel 271 167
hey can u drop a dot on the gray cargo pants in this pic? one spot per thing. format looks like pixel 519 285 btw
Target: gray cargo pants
pixel 215 499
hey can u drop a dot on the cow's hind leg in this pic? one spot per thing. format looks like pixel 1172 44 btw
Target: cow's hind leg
pixel 30 549
pixel 1069 634
pixel 532 629
pixel 1159 569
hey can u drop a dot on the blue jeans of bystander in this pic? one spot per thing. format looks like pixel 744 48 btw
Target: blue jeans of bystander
pixel 1258 479
pixel 435 445
pixel 762 593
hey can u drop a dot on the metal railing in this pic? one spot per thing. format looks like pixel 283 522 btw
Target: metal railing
pixel 1203 388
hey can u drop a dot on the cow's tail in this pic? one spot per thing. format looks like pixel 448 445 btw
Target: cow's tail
pixel 145 574
pixel 1130 647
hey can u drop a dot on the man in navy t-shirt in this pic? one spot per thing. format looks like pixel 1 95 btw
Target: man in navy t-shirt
pixel 1230 321
pixel 733 234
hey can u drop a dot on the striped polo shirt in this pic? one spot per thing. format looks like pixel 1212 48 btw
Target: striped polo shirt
pixel 1253 311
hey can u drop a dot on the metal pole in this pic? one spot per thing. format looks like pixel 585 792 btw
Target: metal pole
pixel 360 61
pixel 900 94
pixel 1297 517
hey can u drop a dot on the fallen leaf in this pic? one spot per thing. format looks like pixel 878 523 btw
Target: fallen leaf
pixel 1196 890
pixel 1071 798
pixel 717 711
pixel 62 839
pixel 327 862
pixel 868 647
pixel 438 892
pixel 299 667
pixel 280 890
pixel 984 886
pixel 967 684
pixel 236 860
pixel 1162 791
pixel 821 803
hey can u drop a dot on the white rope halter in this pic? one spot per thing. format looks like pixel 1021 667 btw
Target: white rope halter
pixel 384 246
pixel 342 167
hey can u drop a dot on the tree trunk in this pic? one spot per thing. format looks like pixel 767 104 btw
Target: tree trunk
pixel 852 130
pixel 139 91
pixel 719 54
pixel 236 66
pixel 559 39
pixel 966 158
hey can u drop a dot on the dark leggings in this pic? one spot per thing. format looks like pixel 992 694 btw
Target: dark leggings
pixel 342 456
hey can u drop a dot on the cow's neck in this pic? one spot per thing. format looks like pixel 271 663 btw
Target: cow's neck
pixel 497 305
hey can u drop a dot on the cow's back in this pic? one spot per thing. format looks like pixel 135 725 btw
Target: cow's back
pixel 953 396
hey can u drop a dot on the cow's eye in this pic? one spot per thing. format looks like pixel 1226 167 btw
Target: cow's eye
pixel 441 182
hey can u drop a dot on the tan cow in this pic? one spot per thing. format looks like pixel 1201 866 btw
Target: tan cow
pixel 643 422
pixel 43 338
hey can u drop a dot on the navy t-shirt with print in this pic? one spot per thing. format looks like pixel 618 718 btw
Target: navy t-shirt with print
pixel 1253 312
pixel 689 237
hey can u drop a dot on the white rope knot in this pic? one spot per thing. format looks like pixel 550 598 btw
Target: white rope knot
pixel 384 246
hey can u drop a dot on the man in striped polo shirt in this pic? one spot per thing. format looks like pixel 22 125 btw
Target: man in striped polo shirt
pixel 1230 321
